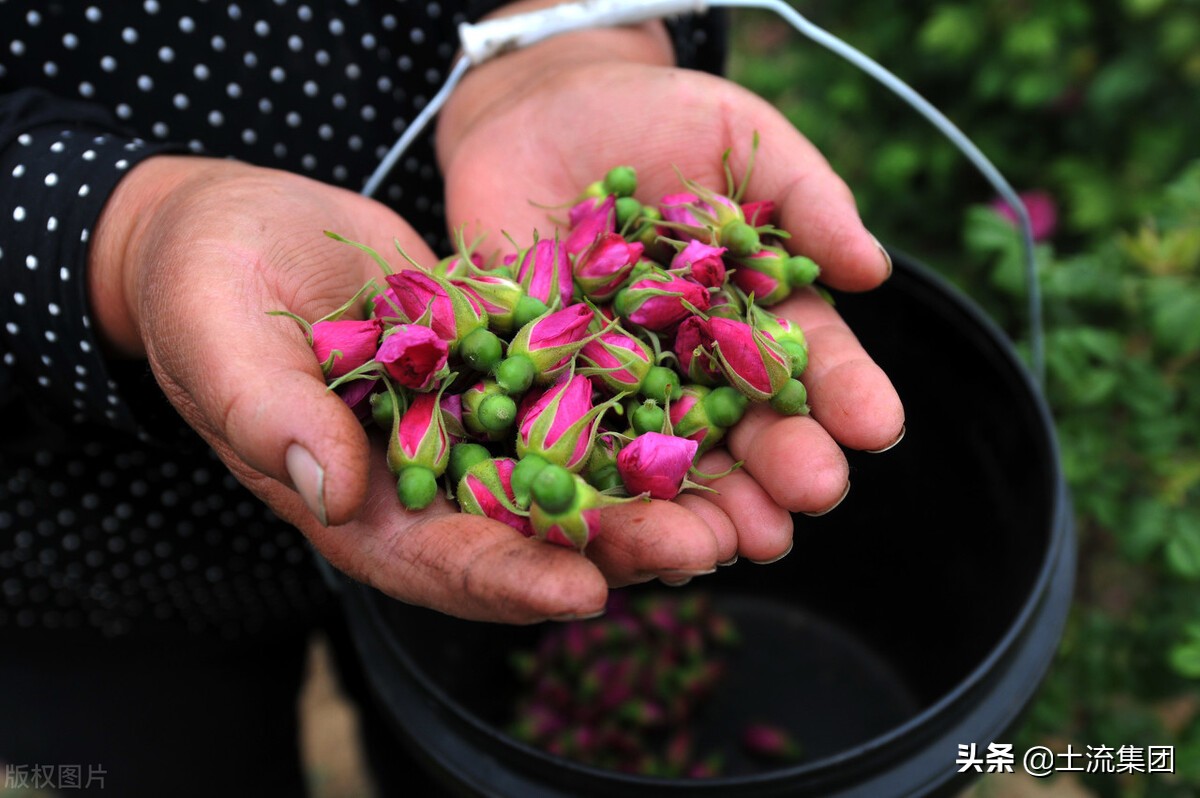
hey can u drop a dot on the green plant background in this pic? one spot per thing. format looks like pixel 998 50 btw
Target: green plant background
pixel 1097 104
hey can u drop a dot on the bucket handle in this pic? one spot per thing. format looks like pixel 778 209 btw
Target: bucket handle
pixel 482 41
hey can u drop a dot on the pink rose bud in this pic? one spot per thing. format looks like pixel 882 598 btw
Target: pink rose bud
pixel 488 413
pixel 605 265
pixel 771 742
pixel 435 303
pixel 419 437
pixel 694 348
pixel 658 301
pixel 698 214
pixel 452 417
pixel 763 275
pixel 486 489
pixel 617 360
pixel 656 464
pixel 785 333
pixel 413 356
pixel 690 419
pixel 685 208
pixel 552 340
pixel 560 423
pixel 544 272
pixel 590 219
pixel 456 266
pixel 1041 208
pixel 752 362
pixel 576 525
pixel 771 274
pixel 343 345
pixel 701 262
pixel 357 396
pixel 728 302
pixel 758 213
pixel 496 294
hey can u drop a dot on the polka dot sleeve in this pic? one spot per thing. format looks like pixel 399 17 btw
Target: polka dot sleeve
pixel 55 176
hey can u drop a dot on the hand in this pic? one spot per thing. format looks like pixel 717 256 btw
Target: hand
pixel 188 258
pixel 537 125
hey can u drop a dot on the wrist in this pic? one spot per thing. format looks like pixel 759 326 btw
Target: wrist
pixel 123 223
pixel 519 73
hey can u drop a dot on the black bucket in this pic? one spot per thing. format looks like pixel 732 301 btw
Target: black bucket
pixel 920 616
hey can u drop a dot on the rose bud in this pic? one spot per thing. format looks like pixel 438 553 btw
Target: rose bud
pixel 419 450
pixel 452 417
pixel 345 344
pixel 497 294
pixel 690 419
pixel 560 423
pixel 686 212
pixel 616 359
pixel 463 455
pixel 770 742
pixel 413 355
pixel 488 413
pixel 727 302
pixel 486 489
pixel 357 395
pixel 750 360
pixel 656 464
pixel 544 272
pixel 550 342
pixel 785 333
pixel 658 301
pixel 601 469
pixel 456 266
pixel 771 274
pixel 436 303
pixel 604 266
pixel 694 348
pixel 760 213
pixel 589 219
pixel 565 508
pixel 700 262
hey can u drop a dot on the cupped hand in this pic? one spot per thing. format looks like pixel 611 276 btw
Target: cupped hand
pixel 528 132
pixel 188 259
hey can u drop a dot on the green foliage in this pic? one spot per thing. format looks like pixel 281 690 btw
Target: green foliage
pixel 1099 105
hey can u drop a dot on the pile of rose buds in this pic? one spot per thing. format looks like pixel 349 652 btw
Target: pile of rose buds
pixel 577 371
pixel 631 692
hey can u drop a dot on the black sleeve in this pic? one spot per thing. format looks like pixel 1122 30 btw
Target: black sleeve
pixel 59 162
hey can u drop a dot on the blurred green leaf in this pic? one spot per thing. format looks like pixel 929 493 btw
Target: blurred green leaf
pixel 1174 309
pixel 952 31
pixel 1183 549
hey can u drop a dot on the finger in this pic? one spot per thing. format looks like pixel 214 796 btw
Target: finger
pixel 792 458
pixel 814 205
pixel 849 394
pixel 718 521
pixel 640 540
pixel 763 527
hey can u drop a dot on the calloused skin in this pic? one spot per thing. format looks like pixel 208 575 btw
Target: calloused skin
pixel 190 254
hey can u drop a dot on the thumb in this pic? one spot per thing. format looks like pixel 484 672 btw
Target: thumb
pixel 249 382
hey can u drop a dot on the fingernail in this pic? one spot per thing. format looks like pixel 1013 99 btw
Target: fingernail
pixel 887 258
pixel 578 616
pixel 728 562
pixel 308 478
pixel 675 582
pixel 899 438
pixel 683 573
pixel 831 507
pixel 785 553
